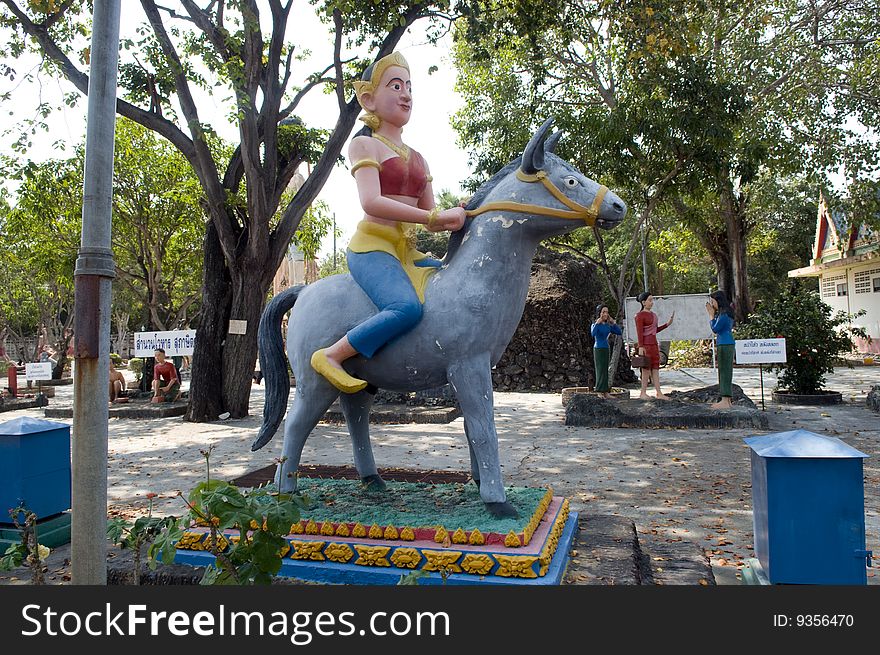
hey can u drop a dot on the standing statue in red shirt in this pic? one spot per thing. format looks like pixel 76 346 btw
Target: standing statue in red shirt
pixel 646 336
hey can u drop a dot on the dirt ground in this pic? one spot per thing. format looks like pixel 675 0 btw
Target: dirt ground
pixel 675 485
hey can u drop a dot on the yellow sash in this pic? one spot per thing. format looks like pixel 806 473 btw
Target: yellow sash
pixel 396 241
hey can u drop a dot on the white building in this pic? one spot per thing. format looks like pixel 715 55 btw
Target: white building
pixel 846 259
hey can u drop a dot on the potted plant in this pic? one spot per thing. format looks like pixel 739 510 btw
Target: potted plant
pixel 814 341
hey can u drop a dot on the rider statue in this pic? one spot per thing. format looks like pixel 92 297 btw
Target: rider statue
pixel 394 187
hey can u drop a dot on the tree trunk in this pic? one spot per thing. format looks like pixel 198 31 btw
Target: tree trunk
pixel 240 350
pixel 615 358
pixel 733 213
pixel 206 384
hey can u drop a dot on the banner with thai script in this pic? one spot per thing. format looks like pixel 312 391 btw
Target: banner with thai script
pixel 173 342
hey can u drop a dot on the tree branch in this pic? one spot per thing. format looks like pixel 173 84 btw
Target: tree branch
pixel 337 48
pixel 290 219
pixel 214 33
pixel 205 167
pixel 80 81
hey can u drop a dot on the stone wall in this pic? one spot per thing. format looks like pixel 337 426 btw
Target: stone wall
pixel 552 347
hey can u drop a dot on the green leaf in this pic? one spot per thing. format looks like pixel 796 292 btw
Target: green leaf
pixel 115 528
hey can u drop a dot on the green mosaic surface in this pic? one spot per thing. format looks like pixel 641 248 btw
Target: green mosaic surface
pixel 415 504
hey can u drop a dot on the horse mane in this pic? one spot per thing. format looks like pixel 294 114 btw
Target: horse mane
pixel 457 237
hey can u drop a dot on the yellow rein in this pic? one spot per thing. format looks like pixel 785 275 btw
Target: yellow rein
pixel 576 211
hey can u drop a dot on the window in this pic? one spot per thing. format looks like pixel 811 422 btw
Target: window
pixel 877 285
pixel 841 289
pixel 830 285
pixel 863 281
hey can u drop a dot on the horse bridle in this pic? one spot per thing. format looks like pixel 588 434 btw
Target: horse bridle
pixel 576 211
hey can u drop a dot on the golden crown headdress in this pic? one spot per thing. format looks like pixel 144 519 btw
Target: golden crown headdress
pixel 369 85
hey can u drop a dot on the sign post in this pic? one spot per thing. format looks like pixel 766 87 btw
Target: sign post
pixel 760 352
pixel 38 371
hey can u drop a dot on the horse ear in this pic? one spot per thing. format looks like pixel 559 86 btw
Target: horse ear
pixel 533 155
pixel 552 141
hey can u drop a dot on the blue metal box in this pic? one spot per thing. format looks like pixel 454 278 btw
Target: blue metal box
pixel 34 467
pixel 808 503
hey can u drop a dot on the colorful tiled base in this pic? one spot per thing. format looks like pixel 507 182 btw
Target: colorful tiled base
pixel 330 572
pixel 330 550
pixel 445 513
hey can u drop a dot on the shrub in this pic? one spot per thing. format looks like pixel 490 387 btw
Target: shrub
pixel 116 359
pixel 136 366
pixel 263 518
pixel 814 338
pixel 690 354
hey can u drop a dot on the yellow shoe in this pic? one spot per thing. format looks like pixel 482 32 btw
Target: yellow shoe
pixel 335 376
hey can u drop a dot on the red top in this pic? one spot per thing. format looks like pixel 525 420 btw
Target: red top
pixel 165 372
pixel 646 328
pixel 399 177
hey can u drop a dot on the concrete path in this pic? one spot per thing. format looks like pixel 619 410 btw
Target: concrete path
pixel 676 485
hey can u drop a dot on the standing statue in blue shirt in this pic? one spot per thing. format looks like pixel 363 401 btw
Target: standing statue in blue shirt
pixel 721 321
pixel 603 326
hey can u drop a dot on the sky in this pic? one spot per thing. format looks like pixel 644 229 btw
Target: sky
pixel 429 130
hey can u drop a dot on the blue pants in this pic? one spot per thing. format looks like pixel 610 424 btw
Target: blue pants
pixel 383 279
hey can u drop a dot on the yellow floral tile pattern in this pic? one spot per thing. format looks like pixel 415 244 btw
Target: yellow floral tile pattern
pixel 477 563
pixel 442 560
pixel 372 555
pixel 516 566
pixel 341 553
pixel 310 550
pixel 406 558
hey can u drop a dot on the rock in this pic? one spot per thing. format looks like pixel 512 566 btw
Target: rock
pixel 711 394
pixel 684 410
pixel 552 347
pixel 874 398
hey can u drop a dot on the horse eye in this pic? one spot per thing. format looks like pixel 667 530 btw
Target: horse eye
pixel 570 181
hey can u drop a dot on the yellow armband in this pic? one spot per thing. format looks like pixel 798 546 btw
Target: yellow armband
pixel 365 162
pixel 432 217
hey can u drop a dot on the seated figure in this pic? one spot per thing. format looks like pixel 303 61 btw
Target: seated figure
pixel 166 384
pixel 117 384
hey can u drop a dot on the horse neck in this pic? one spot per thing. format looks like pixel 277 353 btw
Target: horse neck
pixel 499 239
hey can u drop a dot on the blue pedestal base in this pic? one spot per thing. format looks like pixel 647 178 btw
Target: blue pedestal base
pixel 335 573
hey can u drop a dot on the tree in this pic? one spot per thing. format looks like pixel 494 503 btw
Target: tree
pixel 333 264
pixel 158 227
pixel 517 68
pixel 233 44
pixel 727 92
pixel 784 212
pixel 814 339
pixel 41 234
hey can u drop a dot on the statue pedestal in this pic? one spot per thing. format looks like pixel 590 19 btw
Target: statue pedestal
pixel 684 410
pixel 442 530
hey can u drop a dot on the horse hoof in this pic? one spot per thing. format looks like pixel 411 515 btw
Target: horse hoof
pixel 374 484
pixel 502 510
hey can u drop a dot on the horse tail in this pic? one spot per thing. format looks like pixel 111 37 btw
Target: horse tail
pixel 273 364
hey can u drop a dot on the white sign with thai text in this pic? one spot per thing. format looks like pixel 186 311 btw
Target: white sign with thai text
pixel 38 371
pixel 173 342
pixel 760 351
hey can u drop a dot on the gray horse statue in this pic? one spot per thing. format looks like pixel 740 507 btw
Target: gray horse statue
pixel 472 307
